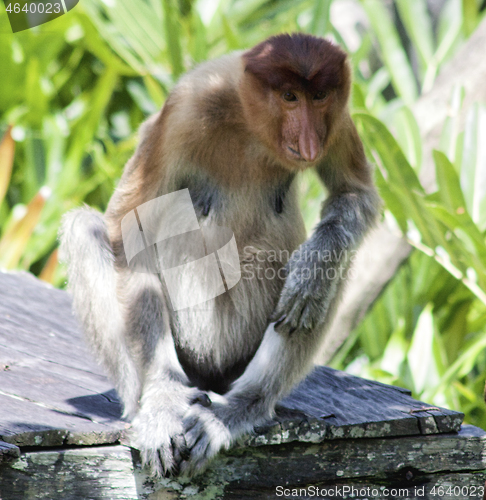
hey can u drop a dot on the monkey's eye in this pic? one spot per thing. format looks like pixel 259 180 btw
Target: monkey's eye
pixel 289 96
pixel 320 96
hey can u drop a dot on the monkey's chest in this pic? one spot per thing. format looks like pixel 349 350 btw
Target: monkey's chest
pixel 228 278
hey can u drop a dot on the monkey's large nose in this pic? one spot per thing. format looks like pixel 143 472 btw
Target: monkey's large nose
pixel 309 145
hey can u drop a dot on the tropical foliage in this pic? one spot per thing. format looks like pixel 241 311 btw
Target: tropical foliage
pixel 74 91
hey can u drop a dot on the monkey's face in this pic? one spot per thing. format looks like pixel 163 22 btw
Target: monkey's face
pixel 303 125
pixel 294 90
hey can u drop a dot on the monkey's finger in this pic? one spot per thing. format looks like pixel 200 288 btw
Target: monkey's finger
pixel 295 313
pixel 285 329
pixel 176 469
pixel 194 436
pixel 179 448
pixel 282 310
pixel 310 315
pixel 166 460
pixel 189 423
pixel 193 429
pixel 200 455
pixel 292 319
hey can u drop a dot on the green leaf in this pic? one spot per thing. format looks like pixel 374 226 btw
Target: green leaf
pixel 450 130
pixel 197 37
pixel 395 351
pixel 379 137
pixel 473 171
pixel 408 135
pixel 449 185
pixel 470 12
pixel 449 34
pixel 418 23
pixel 173 37
pixel 320 17
pixel 378 82
pixel 393 53
pixel 420 356
pixel 465 230
pixel 399 174
pixel 230 33
pixel 86 128
pixel 388 195
pixel 357 97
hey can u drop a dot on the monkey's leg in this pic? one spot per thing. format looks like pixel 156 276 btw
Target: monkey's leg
pixel 157 429
pixel 86 250
pixel 130 338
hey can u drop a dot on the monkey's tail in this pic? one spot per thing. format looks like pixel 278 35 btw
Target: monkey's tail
pixel 86 250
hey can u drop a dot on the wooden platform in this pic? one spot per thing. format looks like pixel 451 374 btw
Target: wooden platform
pixel 61 430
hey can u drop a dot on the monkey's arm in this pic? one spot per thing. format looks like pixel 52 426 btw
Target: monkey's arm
pixel 318 270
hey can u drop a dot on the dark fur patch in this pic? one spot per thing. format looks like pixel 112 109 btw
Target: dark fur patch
pixel 209 378
pixel 204 194
pixel 297 62
pixel 281 194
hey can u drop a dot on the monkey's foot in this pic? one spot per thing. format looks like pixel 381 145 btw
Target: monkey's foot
pixel 158 430
pixel 205 435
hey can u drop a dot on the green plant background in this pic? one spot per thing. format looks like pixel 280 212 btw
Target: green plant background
pixel 74 91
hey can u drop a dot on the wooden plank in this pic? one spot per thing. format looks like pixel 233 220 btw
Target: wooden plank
pixel 25 423
pixel 334 460
pixel 59 388
pixel 338 405
pixel 36 321
pixel 59 395
pixel 74 474
pixel 114 472
pixel 52 393
pixel 8 452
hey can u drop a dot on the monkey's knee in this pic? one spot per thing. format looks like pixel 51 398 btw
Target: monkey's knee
pixel 83 231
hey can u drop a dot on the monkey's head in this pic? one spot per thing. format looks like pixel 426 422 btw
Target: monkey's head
pixel 294 91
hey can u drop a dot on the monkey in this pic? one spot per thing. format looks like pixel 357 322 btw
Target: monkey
pixel 234 134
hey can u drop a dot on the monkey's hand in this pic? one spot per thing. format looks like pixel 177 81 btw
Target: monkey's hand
pixel 158 430
pixel 312 282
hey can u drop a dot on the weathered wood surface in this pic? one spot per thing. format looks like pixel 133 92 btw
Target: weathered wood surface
pixel 333 428
pixel 52 393
pixel 114 472
pixel 8 452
